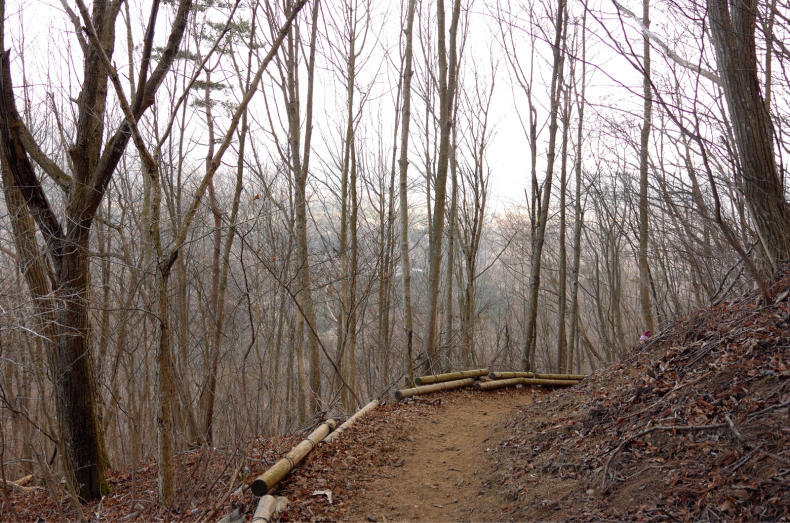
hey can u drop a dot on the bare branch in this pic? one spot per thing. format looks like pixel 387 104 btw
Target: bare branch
pixel 710 75
pixel 17 161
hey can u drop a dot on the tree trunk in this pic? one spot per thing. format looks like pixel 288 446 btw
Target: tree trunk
pixel 387 252
pixel 447 88
pixel 299 162
pixel 451 240
pixel 732 27
pixel 211 359
pixel 75 382
pixel 31 261
pixel 578 213
pixel 562 277
pixel 644 269
pixel 403 164
pixel 164 396
pixel 474 199
pixel 93 162
pixel 528 355
pixel 346 316
pixel 351 381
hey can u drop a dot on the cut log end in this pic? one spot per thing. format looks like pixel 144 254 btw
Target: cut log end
pixel 269 507
pixel 279 470
pixel 259 487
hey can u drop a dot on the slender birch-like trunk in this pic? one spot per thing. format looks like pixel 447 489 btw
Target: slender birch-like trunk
pixel 644 268
pixel 528 355
pixel 447 87
pixel 403 163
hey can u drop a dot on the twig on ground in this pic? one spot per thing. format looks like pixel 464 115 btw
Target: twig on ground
pixel 737 433
pixel 672 428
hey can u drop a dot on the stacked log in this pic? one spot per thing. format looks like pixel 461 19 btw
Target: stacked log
pixel 498 384
pixel 552 382
pixel 436 387
pixel 450 376
pixel 509 375
pixel 270 505
pixel 510 382
pixel 454 380
pixel 266 481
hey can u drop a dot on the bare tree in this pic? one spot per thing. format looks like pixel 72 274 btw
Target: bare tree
pixel 165 258
pixel 92 163
pixel 474 198
pixel 560 29
pixel 297 155
pixel 732 28
pixel 578 210
pixel 448 76
pixel 403 164
pixel 354 32
pixel 644 269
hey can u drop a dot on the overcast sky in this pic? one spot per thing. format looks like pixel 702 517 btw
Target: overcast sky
pixel 48 36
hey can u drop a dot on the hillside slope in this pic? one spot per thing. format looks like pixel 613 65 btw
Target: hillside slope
pixel 692 425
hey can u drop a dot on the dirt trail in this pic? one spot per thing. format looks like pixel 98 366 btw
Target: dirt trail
pixel 443 471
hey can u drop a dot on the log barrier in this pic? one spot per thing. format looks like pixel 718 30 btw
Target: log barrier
pixel 266 481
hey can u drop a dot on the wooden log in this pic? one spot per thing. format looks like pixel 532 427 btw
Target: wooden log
pixel 20 483
pixel 350 421
pixel 269 508
pixel 498 384
pixel 573 377
pixel 437 378
pixel 555 383
pixel 266 481
pixel 508 375
pixel 510 382
pixel 445 385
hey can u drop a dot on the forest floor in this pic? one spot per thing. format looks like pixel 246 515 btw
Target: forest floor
pixel 694 424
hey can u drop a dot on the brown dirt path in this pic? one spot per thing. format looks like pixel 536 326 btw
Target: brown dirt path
pixel 444 470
